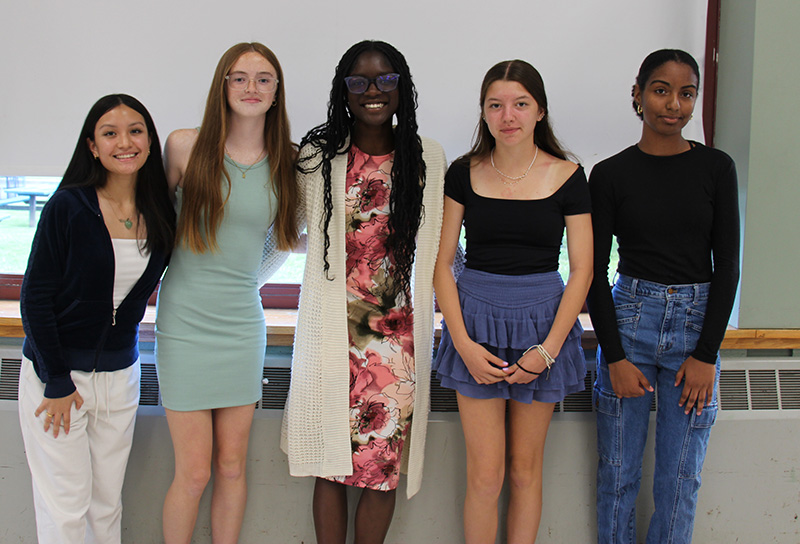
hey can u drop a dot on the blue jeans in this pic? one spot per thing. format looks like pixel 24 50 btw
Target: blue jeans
pixel 659 327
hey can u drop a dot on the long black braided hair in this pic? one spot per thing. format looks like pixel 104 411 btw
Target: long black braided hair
pixel 408 171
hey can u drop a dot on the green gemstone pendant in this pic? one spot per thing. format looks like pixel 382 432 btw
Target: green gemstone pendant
pixel 127 222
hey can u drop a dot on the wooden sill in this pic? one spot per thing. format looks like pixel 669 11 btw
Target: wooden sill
pixel 281 324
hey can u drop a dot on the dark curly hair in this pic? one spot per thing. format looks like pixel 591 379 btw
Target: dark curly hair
pixel 408 172
pixel 655 60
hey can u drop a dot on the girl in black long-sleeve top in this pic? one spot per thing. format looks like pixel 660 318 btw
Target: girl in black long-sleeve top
pixel 673 206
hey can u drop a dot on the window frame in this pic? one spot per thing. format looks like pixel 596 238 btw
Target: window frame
pixel 273 295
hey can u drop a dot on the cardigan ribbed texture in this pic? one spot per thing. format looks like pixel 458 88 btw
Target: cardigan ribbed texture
pixel 316 425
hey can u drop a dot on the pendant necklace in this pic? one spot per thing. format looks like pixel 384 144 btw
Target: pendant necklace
pixel 127 221
pixel 513 179
pixel 246 170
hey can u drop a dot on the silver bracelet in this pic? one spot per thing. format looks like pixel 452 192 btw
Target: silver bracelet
pixel 548 359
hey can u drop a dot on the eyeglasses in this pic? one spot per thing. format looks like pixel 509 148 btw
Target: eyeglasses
pixel 239 81
pixel 384 83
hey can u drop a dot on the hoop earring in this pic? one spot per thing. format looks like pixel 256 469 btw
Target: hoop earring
pixel 639 109
pixel 691 117
pixel 96 156
pixel 274 101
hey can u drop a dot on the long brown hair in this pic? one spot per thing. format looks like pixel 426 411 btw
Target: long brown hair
pixel 529 77
pixel 203 202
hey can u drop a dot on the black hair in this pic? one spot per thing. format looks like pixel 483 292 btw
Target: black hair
pixel 408 171
pixel 655 60
pixel 152 194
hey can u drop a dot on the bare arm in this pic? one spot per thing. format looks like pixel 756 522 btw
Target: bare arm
pixel 477 359
pixel 176 156
pixel 579 247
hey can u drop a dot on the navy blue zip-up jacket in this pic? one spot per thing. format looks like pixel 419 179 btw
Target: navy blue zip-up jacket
pixel 67 295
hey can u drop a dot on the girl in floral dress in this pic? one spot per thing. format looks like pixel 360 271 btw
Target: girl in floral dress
pixel 380 329
pixel 361 368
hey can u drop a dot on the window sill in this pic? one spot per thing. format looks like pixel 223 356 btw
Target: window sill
pixel 281 325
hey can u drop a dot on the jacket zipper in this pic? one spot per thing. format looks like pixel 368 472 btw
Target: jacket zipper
pixel 102 342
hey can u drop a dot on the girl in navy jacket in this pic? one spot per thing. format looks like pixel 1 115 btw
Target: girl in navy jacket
pixel 101 246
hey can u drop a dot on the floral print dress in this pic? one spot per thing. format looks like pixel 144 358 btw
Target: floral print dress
pixel 380 326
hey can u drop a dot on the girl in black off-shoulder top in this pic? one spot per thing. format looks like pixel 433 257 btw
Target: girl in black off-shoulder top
pixel 511 340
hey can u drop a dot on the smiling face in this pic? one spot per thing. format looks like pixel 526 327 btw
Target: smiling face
pixel 510 113
pixel 121 141
pixel 667 99
pixel 374 107
pixel 249 101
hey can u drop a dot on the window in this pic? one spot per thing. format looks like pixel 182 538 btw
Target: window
pixel 22 198
pixel 21 201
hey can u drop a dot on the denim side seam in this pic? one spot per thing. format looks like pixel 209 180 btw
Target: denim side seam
pixel 696 440
pixel 609 406
pixel 609 426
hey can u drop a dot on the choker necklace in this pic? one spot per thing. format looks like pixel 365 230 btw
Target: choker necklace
pixel 127 221
pixel 246 170
pixel 514 179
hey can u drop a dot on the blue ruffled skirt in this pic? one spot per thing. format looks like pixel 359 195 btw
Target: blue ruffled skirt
pixel 507 315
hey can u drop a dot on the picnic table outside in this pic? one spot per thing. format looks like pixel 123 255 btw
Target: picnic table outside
pixel 29 194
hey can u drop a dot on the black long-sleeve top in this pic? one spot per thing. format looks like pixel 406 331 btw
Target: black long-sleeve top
pixel 676 220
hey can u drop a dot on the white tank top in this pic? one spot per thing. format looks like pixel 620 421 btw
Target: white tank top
pixel 130 264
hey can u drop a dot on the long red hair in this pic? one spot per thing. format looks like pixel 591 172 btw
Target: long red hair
pixel 203 201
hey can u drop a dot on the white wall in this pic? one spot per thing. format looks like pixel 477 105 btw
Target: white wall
pixel 59 57
pixel 749 492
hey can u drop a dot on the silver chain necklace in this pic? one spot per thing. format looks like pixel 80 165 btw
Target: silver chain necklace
pixel 514 179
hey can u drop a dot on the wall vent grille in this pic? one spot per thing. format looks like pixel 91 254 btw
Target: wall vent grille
pixel 273 393
pixel 763 390
pixel 148 387
pixel 790 389
pixel 442 399
pixel 739 389
pixel 580 401
pixel 9 378
pixel 733 390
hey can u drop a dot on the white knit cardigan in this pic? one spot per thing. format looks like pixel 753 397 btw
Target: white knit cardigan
pixel 316 424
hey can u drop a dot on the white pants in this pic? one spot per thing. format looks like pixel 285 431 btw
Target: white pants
pixel 77 477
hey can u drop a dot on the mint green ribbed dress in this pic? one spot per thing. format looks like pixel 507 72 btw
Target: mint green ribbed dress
pixel 210 330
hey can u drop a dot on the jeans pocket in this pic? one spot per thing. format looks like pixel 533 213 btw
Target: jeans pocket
pixel 696 441
pixel 628 323
pixel 695 319
pixel 609 426
pixel 692 330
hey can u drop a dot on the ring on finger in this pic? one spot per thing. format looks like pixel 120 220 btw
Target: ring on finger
pixel 49 414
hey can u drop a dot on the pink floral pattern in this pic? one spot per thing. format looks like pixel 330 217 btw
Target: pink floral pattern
pixel 381 330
